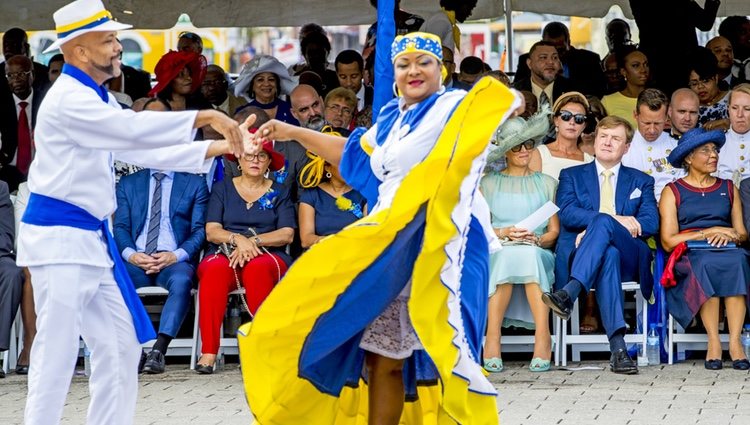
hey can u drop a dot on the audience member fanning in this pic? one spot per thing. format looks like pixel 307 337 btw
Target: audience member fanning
pixel 736 30
pixel 684 108
pixel 215 89
pixel 159 227
pixel 179 75
pixel 315 48
pixel 706 210
pixel 570 112
pixel 444 24
pixel 350 68
pixel 524 268
pixel 722 49
pixel 55 65
pixel 340 105
pixel 254 217
pixel 704 81
pixel 544 81
pixel 651 145
pixel 607 210
pixel 633 66
pixel 18 113
pixel 734 161
pixel 262 81
pixel 328 204
pixel 581 67
pixel 11 276
pixel 307 107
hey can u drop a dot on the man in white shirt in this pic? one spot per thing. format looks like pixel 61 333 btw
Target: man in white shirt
pixel 81 286
pixel 651 145
pixel 734 159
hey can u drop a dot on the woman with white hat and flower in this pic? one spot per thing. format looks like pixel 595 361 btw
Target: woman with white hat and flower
pixel 262 82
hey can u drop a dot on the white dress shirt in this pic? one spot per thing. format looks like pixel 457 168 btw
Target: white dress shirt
pixel 651 158
pixel 613 179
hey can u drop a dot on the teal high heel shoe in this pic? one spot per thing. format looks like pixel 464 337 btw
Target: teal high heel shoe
pixel 539 365
pixel 493 364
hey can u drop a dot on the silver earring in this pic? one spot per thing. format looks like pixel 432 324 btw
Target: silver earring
pixel 328 175
pixel 239 167
pixel 395 90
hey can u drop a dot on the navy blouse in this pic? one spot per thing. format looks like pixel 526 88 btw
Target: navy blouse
pixel 329 218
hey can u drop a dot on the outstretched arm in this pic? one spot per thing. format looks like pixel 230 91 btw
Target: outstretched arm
pixel 328 147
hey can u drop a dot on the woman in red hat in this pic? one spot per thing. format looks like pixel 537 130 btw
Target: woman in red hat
pixel 179 76
pixel 249 223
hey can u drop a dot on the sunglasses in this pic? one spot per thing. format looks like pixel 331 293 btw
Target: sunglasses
pixel 529 145
pixel 567 115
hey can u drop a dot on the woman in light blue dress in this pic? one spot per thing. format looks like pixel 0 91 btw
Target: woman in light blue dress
pixel 524 268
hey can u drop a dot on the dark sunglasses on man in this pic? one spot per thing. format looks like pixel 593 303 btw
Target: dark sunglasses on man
pixel 529 145
pixel 567 115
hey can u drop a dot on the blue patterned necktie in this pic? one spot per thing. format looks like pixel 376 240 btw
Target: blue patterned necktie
pixel 152 237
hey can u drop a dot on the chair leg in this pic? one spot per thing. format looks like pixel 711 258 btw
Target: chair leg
pixel 194 349
pixel 670 341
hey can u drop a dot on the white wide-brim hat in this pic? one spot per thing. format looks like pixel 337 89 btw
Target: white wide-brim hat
pixel 259 64
pixel 81 17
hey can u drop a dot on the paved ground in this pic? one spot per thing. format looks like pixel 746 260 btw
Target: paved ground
pixel 676 395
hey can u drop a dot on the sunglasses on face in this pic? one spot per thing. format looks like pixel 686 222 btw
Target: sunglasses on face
pixel 529 145
pixel 567 115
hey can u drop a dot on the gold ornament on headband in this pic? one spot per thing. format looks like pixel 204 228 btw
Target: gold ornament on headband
pixel 423 42
pixel 312 173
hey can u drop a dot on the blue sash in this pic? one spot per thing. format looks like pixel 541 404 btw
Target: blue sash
pixel 45 211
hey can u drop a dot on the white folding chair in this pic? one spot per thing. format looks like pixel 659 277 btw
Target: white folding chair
pixel 688 341
pixel 525 343
pixel 178 346
pixel 598 342
pixel 226 345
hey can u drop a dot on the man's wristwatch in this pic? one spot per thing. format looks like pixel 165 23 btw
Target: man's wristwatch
pixel 257 241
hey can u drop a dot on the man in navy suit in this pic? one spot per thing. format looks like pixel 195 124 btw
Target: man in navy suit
pixel 607 211
pixel 159 228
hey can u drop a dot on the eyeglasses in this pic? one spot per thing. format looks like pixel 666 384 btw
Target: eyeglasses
pixel 260 157
pixel 707 151
pixel 702 82
pixel 529 145
pixel 339 109
pixel 213 83
pixel 567 115
pixel 18 75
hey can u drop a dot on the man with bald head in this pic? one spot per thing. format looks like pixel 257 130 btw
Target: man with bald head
pixel 81 285
pixel 307 107
pixel 16 43
pixel 722 49
pixel 18 113
pixel 682 112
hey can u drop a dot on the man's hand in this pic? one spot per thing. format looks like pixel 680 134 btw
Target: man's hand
pixel 579 238
pixel 274 130
pixel 163 260
pixel 142 260
pixel 630 223
pixel 227 127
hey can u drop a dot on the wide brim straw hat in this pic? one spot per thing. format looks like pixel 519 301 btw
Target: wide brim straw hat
pixel 259 64
pixel 81 17
pixel 172 63
pixel 692 139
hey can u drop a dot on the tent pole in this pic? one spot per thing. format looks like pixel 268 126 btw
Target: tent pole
pixel 509 33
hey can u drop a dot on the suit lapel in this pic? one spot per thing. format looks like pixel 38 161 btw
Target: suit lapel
pixel 623 190
pixel 179 185
pixel 591 181
pixel 142 208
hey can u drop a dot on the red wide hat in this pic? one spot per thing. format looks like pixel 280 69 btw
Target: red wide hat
pixel 277 159
pixel 172 63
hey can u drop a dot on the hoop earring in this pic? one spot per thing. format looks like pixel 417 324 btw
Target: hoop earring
pixel 395 89
pixel 328 175
pixel 239 167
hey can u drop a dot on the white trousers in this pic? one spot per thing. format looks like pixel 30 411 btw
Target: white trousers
pixel 74 300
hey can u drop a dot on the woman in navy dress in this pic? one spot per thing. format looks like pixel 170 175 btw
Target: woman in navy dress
pixel 705 209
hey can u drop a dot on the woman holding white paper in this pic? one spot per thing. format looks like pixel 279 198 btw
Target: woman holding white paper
pixel 524 268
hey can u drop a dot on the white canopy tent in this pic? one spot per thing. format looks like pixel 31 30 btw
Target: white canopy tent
pixel 152 14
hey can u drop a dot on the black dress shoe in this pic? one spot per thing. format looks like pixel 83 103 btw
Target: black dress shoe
pixel 620 362
pixel 204 369
pixel 155 362
pixel 142 362
pixel 742 364
pixel 22 369
pixel 559 302
pixel 2 374
pixel 713 364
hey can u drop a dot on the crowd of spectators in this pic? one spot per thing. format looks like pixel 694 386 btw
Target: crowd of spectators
pixel 618 120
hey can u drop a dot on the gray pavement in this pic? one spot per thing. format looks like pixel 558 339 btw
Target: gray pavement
pixel 676 395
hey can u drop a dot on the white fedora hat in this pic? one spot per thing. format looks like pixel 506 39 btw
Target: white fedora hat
pixel 80 17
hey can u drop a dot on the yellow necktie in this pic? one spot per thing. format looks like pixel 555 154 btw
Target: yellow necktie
pixel 607 198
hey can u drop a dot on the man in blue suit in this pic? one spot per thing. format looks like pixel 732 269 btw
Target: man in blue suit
pixel 607 211
pixel 159 228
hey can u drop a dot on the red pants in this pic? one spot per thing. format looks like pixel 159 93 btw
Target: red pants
pixel 216 281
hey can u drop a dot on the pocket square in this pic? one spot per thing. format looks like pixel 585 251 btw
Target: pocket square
pixel 635 194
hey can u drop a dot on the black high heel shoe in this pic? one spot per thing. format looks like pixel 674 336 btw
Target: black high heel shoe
pixel 713 364
pixel 204 369
pixel 741 364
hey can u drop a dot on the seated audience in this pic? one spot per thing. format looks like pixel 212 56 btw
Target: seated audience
pixel 55 65
pixel 722 50
pixel 340 105
pixel 178 80
pixel 189 42
pixel 633 66
pixel 28 314
pixel 159 227
pixel 734 161
pixel 215 89
pixel 350 68
pixel 735 29
pixel 315 48
pixel 524 268
pixel 651 145
pixel 544 79
pixel 11 276
pixel 615 79
pixel 328 203
pixel 150 104
pixel 470 70
pixel 262 81
pixel 596 113
pixel 16 43
pixel 308 107
pixel 607 211
pixel 570 113
pixel 684 107
pixel 704 81
pixel 253 217
pixel 707 210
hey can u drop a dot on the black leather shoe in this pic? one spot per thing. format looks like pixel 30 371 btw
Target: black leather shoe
pixel 559 302
pixel 742 364
pixel 204 369
pixel 620 362
pixel 22 369
pixel 713 364
pixel 155 362
pixel 2 374
pixel 142 362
